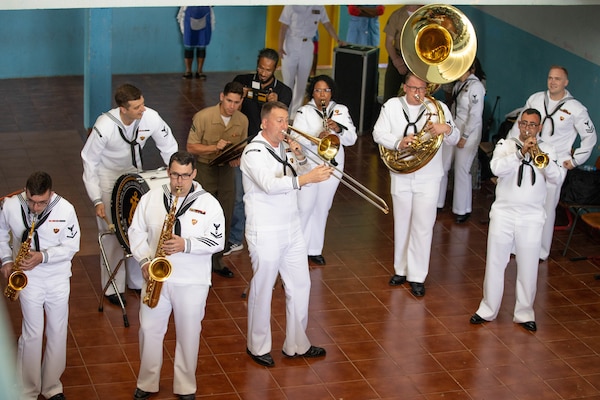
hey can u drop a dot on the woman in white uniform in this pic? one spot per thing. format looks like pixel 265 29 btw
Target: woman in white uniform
pixel 322 116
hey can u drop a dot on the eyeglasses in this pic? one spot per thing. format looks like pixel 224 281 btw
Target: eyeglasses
pixel 525 124
pixel 328 90
pixel 32 203
pixel 416 88
pixel 176 176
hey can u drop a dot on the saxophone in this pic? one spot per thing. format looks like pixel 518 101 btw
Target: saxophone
pixel 160 267
pixel 17 279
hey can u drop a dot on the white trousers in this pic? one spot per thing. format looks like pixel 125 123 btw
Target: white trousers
pixel 131 271
pixel 43 299
pixel 188 303
pixel 295 69
pixel 283 252
pixel 414 203
pixel 314 202
pixel 505 233
pixel 462 194
pixel 552 198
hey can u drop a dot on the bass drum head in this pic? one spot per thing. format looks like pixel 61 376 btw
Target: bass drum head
pixel 126 195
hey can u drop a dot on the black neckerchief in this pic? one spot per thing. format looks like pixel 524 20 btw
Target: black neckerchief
pixel 27 215
pixel 549 115
pixel 187 202
pixel 460 89
pixel 414 123
pixel 524 162
pixel 283 160
pixel 133 142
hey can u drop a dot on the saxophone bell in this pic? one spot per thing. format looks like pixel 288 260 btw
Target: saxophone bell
pixel 18 279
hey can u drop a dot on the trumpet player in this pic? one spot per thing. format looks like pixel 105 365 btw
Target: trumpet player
pixel 414 194
pixel 322 116
pixel 51 245
pixel 516 220
pixel 198 233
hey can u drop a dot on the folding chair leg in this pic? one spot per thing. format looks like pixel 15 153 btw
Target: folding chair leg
pixel 111 279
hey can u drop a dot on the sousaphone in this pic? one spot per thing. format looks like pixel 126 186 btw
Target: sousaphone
pixel 438 45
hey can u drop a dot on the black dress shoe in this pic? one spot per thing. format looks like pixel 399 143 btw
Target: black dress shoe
pixel 114 299
pixel 187 396
pixel 224 272
pixel 462 218
pixel 319 260
pixel 417 289
pixel 397 280
pixel 312 352
pixel 265 360
pixel 139 394
pixel 476 319
pixel 59 396
pixel 529 325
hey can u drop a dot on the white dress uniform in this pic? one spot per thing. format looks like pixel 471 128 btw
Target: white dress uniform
pixel 275 243
pixel 516 218
pixel 562 121
pixel 414 195
pixel 47 291
pixel 184 293
pixel 106 156
pixel 302 22
pixel 316 199
pixel 467 111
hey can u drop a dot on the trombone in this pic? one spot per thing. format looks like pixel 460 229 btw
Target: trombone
pixel 327 148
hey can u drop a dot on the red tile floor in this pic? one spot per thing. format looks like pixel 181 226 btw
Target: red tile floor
pixel 382 343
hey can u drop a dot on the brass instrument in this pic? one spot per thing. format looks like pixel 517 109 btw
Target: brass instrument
pixel 438 45
pixel 422 149
pixel 324 111
pixel 17 279
pixel 539 158
pixel 349 182
pixel 160 267
pixel 327 147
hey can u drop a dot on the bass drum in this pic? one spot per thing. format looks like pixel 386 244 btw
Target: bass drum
pixel 126 195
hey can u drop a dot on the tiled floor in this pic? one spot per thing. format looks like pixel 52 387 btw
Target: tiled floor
pixel 381 341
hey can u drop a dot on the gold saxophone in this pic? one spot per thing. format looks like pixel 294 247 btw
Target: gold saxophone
pixel 160 268
pixel 17 279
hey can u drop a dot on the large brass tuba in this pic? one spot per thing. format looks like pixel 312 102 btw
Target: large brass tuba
pixel 160 267
pixel 438 45
pixel 17 279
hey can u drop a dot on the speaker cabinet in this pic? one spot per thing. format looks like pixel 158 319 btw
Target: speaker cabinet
pixel 356 74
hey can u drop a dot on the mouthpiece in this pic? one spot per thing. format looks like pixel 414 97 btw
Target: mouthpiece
pixel 417 97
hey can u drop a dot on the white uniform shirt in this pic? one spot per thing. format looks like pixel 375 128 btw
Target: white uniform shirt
pixel 106 155
pixel 309 120
pixel 525 201
pixel 571 119
pixel 58 235
pixel 391 125
pixel 202 227
pixel 303 21
pixel 468 106
pixel 270 196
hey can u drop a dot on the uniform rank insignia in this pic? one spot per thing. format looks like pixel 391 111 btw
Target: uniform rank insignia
pixel 72 233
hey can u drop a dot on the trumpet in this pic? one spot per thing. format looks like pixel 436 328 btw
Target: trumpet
pixel 539 158
pixel 349 181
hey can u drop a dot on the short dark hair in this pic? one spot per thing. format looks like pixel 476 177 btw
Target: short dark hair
pixel 268 53
pixel 269 106
pixel 183 158
pixel 234 87
pixel 38 183
pixel 532 111
pixel 324 78
pixel 125 93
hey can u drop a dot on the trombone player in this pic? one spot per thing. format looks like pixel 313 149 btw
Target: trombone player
pixel 198 233
pixel 414 194
pixel 516 219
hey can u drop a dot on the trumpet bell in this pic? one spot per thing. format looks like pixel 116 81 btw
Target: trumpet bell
pixel 438 43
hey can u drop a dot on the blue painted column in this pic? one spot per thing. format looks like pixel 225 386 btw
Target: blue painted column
pixel 97 70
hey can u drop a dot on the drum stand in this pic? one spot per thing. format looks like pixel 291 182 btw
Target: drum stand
pixel 111 278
